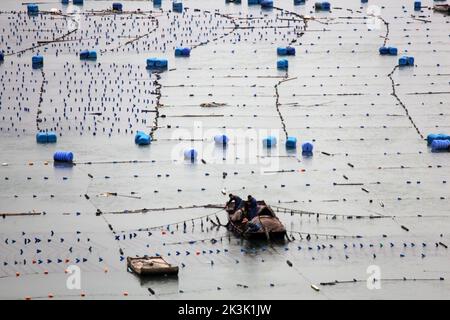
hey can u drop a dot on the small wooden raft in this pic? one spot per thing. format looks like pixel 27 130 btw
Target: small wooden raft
pixel 151 266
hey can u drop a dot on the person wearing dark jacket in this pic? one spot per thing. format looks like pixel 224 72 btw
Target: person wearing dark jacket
pixel 238 202
pixel 252 207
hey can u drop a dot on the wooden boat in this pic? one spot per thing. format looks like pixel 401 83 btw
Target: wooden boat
pixel 151 266
pixel 271 227
pixel 444 8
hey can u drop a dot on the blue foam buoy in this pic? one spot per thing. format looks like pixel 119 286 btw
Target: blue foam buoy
pixel 142 139
pixel 155 63
pixel 291 143
pixel 182 52
pixel 37 61
pixel 116 6
pixel 282 64
pixel 267 4
pixel 417 5
pixel 221 139
pixel 177 7
pixel 286 51
pixel 32 9
pixel 190 154
pixel 63 156
pixel 440 145
pixel 270 142
pixel 406 61
pixel 307 148
pixel 88 55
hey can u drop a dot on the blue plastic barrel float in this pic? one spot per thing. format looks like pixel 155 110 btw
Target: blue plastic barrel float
pixel 253 2
pixel 46 137
pixel 392 51
pixel 221 139
pixel 88 55
pixel 364 1
pixel 440 136
pixel 417 5
pixel 298 2
pixel 182 52
pixel 78 2
pixel 286 51
pixel 32 9
pixel 177 7
pixel 117 6
pixel 440 145
pixel 190 154
pixel 65 1
pixel 63 156
pixel 406 61
pixel 291 143
pixel 270 142
pixel 322 6
pixel 267 4
pixel 2 56
pixel 282 64
pixel 307 149
pixel 157 3
pixel 157 64
pixel 37 61
pixel 142 139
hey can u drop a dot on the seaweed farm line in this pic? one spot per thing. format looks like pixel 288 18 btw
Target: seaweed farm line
pixel 123 132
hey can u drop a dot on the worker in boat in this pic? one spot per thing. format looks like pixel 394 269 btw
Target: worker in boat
pixel 238 202
pixel 252 207
pixel 238 208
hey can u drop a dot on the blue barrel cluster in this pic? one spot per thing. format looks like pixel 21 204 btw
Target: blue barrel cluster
pixel 291 143
pixel 78 2
pixel 37 62
pixel 282 64
pixel 286 51
pixel 440 145
pixel 440 136
pixel 253 2
pixel 177 7
pixel 391 51
pixel 270 142
pixel 182 52
pixel 142 139
pixel 406 61
pixel 221 139
pixel 46 137
pixel 32 9
pixel 307 149
pixel 191 155
pixel 417 5
pixel 88 55
pixel 266 4
pixel 117 6
pixel 298 2
pixel 158 64
pixel 63 156
pixel 322 6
